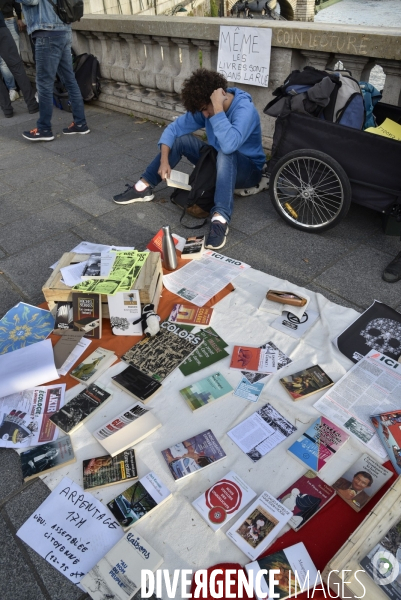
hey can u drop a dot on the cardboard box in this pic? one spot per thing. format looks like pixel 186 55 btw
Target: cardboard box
pixel 149 282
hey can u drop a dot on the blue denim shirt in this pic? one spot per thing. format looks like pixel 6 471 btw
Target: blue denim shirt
pixel 39 14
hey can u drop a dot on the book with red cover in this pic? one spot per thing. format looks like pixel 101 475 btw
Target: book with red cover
pixel 305 497
pixel 185 314
pixel 155 244
pixel 256 360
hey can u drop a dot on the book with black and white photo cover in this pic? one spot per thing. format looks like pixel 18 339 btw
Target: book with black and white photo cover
pixel 137 384
pixel 93 366
pixel 297 573
pixel 42 459
pixel 106 470
pixel 127 429
pixel 305 497
pixel 383 562
pixel 378 328
pixel 282 361
pixel 92 268
pixel 193 454
pixel 361 481
pixel 74 414
pixel 87 314
pixel 223 500
pixel 178 179
pixel 261 432
pixel 159 355
pixel 136 502
pixel 306 382
pixel 64 319
pixel 193 248
pixel 259 525
pixel 124 311
pixel 118 574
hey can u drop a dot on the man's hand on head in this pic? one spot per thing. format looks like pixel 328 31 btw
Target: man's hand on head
pixel 218 98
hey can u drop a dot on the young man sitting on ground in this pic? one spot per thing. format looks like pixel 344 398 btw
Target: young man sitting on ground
pixel 232 126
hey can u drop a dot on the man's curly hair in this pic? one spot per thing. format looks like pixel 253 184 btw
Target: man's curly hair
pixel 197 89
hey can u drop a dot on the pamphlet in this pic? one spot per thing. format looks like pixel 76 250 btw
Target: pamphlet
pixel 282 361
pixel 200 280
pixel 261 432
pixel 292 325
pixel 370 387
pixel 249 391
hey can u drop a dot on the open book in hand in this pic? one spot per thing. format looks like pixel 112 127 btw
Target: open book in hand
pixel 178 179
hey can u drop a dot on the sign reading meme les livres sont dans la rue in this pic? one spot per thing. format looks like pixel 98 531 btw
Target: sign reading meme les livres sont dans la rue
pixel 244 54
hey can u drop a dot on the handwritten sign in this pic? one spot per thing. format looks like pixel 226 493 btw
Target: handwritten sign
pixel 71 530
pixel 244 54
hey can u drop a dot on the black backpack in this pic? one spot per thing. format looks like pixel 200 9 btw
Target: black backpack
pixel 60 96
pixel 68 11
pixel 199 201
pixel 87 74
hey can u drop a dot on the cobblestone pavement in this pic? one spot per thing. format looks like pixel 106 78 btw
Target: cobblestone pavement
pixel 53 195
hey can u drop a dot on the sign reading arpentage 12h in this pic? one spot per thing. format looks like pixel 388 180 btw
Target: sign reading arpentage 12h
pixel 244 54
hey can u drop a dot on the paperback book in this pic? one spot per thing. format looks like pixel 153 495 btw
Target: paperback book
pixel 93 366
pixel 118 574
pixel 257 360
pixel 178 179
pixel 261 432
pixel 105 470
pixel 183 314
pixel 223 500
pixel 87 314
pixel 210 352
pixel 259 525
pixel 361 481
pixel 137 384
pixel 193 454
pixel 127 429
pixel 306 382
pixel 42 459
pixel 318 444
pixel 74 414
pixel 305 497
pixel 64 319
pixel 389 547
pixel 297 573
pixel 206 391
pixel 193 248
pixel 282 361
pixel 139 500
pixel 388 428
pixel 158 356
pixel 125 311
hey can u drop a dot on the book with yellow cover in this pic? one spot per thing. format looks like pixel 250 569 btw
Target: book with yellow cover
pixel 388 128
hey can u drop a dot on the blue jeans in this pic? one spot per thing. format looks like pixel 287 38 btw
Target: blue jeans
pixel 233 171
pixel 4 70
pixel 53 55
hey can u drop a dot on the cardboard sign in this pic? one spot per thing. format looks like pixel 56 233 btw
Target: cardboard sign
pixel 71 530
pixel 244 54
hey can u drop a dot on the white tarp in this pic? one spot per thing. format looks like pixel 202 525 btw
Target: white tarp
pixel 176 530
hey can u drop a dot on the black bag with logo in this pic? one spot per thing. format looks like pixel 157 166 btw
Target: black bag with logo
pixel 87 74
pixel 68 11
pixel 199 201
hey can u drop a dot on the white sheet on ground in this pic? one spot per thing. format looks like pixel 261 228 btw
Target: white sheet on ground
pixel 176 530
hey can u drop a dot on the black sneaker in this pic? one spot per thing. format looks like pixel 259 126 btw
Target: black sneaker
pixel 392 272
pixel 217 235
pixel 82 129
pixel 131 194
pixel 38 136
pixel 8 114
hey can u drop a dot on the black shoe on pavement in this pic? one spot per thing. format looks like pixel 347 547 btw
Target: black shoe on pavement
pixel 131 194
pixel 34 109
pixel 8 115
pixel 38 136
pixel 82 129
pixel 217 235
pixel 392 272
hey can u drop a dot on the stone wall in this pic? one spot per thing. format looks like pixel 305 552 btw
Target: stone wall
pixel 144 60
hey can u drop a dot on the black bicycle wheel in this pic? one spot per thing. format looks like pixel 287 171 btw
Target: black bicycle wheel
pixel 310 190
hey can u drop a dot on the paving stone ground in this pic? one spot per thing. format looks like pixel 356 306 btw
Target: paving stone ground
pixel 53 195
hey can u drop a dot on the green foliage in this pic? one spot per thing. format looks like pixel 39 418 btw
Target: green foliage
pixel 214 9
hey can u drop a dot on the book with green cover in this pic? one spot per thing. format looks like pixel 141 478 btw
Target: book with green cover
pixel 210 352
pixel 206 391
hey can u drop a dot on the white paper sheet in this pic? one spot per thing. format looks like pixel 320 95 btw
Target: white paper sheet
pixel 71 275
pixel 202 279
pixel 71 530
pixel 27 367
